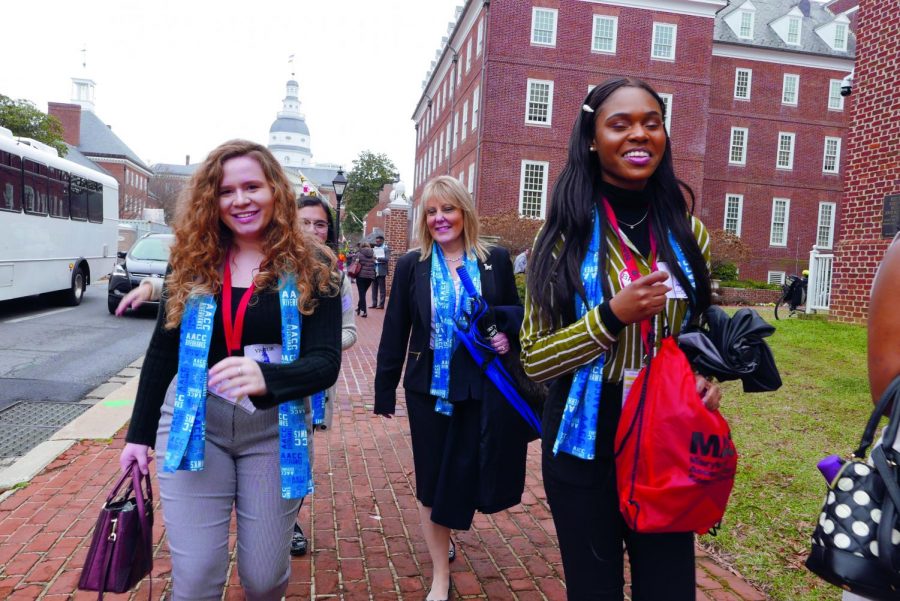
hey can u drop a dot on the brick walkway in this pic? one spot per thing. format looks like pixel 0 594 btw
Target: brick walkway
pixel 364 525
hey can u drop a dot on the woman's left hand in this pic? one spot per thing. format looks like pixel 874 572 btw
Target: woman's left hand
pixel 240 375
pixel 500 343
pixel 709 392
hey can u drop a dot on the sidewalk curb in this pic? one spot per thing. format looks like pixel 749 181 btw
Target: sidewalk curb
pixel 101 421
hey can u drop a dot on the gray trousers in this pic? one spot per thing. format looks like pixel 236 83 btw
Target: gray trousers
pixel 241 470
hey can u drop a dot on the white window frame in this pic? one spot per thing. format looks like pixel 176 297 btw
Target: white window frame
pixel 615 34
pixel 841 43
pixel 798 21
pixel 476 99
pixel 448 138
pixel 731 146
pixel 776 277
pixel 441 148
pixel 789 164
pixel 455 129
pixel 462 177
pixel 836 155
pixel 543 191
pixel 737 79
pixel 740 31
pixel 480 39
pixel 730 200
pixel 534 12
pixel 464 130
pixel 784 89
pixel 656 29
pixel 828 234
pixel 471 185
pixel 835 100
pixel 787 218
pixel 667 101
pixel 529 102
pixel 469 55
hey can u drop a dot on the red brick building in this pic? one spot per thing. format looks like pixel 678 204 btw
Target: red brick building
pixel 499 103
pixel 84 130
pixel 873 161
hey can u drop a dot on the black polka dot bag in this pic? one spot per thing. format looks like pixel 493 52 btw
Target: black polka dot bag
pixel 856 544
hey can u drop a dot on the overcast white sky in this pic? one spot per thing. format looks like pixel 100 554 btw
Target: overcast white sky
pixel 177 77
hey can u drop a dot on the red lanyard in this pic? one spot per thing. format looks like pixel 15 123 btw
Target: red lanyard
pixel 630 263
pixel 233 331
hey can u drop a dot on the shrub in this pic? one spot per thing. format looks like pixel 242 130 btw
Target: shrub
pixel 725 271
pixel 510 230
pixel 726 249
pixel 751 284
pixel 520 286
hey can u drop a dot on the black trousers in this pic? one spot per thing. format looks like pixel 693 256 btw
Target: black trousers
pixel 379 291
pixel 592 535
pixel 362 285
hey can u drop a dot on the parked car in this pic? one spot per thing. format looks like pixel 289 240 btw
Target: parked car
pixel 147 258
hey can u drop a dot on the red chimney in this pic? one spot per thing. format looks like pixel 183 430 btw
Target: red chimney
pixel 70 117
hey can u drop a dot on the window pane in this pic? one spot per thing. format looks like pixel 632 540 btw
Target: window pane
pixel 544 26
pixel 10 188
pixel 538 102
pixel 663 40
pixel 824 236
pixel 604 34
pixel 733 214
pixel 793 36
pixel 785 158
pixel 738 140
pixel 746 24
pixel 835 100
pixel 532 190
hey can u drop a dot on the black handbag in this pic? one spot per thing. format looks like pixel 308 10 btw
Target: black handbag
pixel 121 552
pixel 856 544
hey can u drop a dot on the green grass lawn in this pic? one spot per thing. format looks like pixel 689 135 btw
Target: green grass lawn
pixel 821 409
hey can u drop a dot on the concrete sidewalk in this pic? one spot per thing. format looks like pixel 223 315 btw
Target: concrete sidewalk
pixel 362 522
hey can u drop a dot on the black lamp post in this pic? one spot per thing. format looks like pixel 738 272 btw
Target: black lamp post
pixel 339 183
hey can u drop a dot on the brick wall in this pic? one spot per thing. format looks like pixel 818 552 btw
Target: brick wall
pixel 759 181
pixel 873 168
pixel 70 117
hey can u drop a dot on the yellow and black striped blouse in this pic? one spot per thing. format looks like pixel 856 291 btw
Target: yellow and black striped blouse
pixel 550 351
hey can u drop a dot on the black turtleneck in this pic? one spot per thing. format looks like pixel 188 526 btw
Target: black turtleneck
pixel 631 206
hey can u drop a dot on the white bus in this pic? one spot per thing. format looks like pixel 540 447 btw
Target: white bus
pixel 58 222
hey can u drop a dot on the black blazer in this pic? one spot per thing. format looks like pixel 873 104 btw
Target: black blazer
pixel 407 330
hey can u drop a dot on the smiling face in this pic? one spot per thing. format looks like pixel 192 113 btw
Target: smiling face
pixel 629 137
pixel 445 223
pixel 246 202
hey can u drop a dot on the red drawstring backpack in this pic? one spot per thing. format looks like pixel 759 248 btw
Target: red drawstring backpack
pixel 675 461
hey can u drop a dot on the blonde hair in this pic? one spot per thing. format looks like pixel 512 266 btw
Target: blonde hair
pixel 202 240
pixel 448 189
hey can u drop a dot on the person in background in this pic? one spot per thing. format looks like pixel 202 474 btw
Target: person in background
pixel 367 267
pixel 521 261
pixel 468 442
pixel 619 248
pixel 883 334
pixel 316 220
pixel 382 258
pixel 243 281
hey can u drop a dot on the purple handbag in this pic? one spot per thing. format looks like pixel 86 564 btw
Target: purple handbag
pixel 121 552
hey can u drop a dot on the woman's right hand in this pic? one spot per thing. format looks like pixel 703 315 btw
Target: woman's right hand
pixel 133 299
pixel 641 299
pixel 136 452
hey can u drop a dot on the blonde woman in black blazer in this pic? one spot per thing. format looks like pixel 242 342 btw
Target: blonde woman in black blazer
pixel 473 459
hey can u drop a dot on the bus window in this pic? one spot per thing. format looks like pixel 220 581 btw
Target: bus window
pixel 78 202
pixel 95 202
pixel 10 184
pixel 35 188
pixel 59 193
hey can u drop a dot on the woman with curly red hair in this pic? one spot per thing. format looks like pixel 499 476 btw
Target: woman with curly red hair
pixel 249 323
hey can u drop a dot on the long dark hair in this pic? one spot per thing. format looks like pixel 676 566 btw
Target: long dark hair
pixel 315 201
pixel 553 281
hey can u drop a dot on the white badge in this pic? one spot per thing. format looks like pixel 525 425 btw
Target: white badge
pixel 676 290
pixel 628 379
pixel 261 353
pixel 379 252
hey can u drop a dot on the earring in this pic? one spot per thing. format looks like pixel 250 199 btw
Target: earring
pixel 592 149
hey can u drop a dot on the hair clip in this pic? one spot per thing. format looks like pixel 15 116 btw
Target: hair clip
pixel 587 108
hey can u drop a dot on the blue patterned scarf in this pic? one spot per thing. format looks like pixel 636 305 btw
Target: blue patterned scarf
pixel 578 428
pixel 187 439
pixel 447 309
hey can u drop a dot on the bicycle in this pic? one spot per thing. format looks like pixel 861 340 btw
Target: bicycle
pixel 793 297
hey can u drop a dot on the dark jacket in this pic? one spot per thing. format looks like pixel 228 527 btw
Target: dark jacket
pixel 366 259
pixel 407 330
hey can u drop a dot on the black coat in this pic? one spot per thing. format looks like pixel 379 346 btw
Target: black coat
pixel 407 330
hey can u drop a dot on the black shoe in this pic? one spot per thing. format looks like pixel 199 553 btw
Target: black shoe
pixel 452 553
pixel 299 542
pixel 372 307
pixel 363 314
